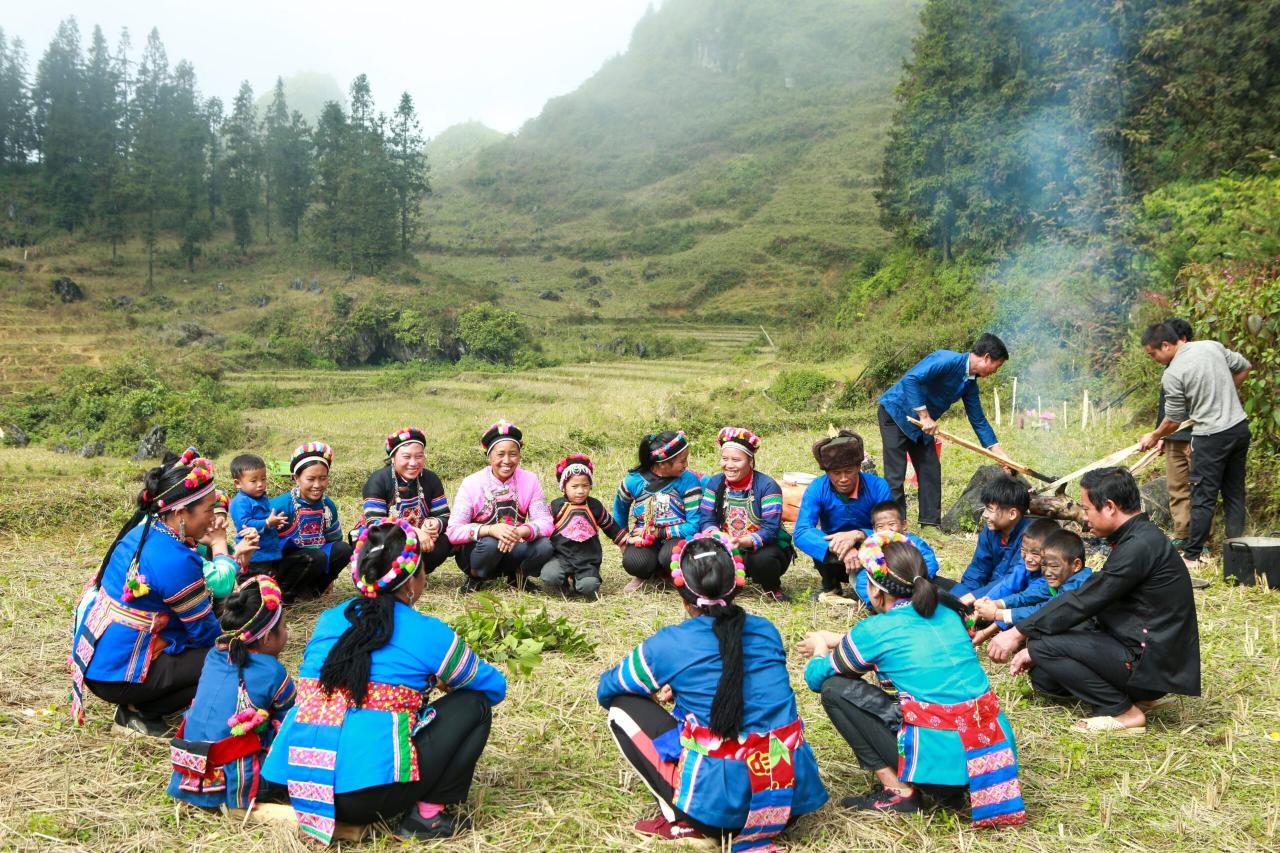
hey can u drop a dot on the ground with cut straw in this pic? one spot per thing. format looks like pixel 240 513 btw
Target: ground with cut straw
pixel 1203 778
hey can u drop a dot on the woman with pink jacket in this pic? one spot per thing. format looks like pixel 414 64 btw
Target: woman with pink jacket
pixel 500 521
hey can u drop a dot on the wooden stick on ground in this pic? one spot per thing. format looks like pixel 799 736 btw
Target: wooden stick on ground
pixel 982 451
pixel 1144 461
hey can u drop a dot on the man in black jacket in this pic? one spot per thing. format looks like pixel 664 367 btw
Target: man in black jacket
pixel 1125 637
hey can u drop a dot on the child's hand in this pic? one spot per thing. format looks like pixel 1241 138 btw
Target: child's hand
pixel 427 534
pixel 246 546
pixel 985 608
pixel 219 522
pixel 967 598
pixel 665 695
pixel 985 634
pixel 276 519
pixel 813 645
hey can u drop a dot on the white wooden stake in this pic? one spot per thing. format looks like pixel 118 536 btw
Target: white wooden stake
pixel 1084 410
pixel 1013 403
pixel 996 393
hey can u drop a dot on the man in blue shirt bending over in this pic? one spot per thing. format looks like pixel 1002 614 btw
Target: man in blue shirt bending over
pixel 925 392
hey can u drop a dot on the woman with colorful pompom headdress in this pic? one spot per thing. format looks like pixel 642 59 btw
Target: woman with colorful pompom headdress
pixel 501 523
pixel 658 504
pixel 364 733
pixel 242 698
pixel 406 488
pixel 730 758
pixel 747 507
pixel 145 621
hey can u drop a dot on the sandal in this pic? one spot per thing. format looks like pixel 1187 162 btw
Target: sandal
pixel 1156 704
pixel 1108 725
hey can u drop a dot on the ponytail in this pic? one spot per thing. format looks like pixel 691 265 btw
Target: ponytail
pixel 727 706
pixel 350 660
pixel 644 456
pixel 924 595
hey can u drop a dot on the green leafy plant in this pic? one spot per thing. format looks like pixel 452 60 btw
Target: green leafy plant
pixel 509 635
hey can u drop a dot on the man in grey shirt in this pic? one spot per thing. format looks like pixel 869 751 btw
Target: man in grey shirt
pixel 1201 382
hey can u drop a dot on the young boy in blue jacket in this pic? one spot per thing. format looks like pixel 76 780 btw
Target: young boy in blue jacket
pixel 1062 568
pixel 1005 502
pixel 888 516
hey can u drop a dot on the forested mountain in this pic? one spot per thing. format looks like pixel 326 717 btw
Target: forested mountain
pixel 459 144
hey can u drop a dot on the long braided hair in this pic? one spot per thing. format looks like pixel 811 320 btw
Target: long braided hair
pixel 372 619
pixel 710 585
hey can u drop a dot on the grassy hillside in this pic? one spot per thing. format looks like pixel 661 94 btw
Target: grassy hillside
pixel 723 165
pixel 1202 778
pixel 458 144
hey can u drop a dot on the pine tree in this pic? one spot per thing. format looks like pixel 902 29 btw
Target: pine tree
pixel 104 118
pixel 214 116
pixel 151 152
pixel 16 132
pixel 243 159
pixel 296 168
pixel 409 167
pixel 190 156
pixel 58 96
pixel 275 125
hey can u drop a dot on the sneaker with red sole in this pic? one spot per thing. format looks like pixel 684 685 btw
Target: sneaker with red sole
pixel 665 829
pixel 884 800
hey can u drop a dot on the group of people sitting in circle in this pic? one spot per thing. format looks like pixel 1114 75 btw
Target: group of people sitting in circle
pixel 391 710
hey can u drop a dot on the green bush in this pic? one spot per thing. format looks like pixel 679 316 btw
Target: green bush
pixel 493 334
pixel 117 405
pixel 800 390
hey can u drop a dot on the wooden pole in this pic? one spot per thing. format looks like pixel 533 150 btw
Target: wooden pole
pixel 1013 402
pixel 1084 410
pixel 1039 411
pixel 982 451
pixel 996 393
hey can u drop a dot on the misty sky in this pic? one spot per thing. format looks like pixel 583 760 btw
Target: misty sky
pixel 497 61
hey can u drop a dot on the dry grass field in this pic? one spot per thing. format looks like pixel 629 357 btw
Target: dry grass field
pixel 1203 778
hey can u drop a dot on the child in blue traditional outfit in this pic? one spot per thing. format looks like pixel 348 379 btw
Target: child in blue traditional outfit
pixel 145 621
pixel 731 758
pixel 888 517
pixel 836 510
pixel 946 729
pixel 747 507
pixel 1060 568
pixel 314 551
pixel 1023 585
pixel 1005 502
pixel 242 698
pixel 364 742
pixel 579 521
pixel 658 505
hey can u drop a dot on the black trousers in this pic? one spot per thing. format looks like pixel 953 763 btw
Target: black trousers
pixel 832 572
pixel 634 722
pixel 648 561
pixel 896 447
pixel 306 572
pixel 170 685
pixel 1091 666
pixel 1217 465
pixel 448 750
pixel 868 719
pixel 483 560
pixel 766 565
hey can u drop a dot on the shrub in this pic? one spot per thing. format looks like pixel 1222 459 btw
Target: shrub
pixel 118 404
pixel 509 635
pixel 492 333
pixel 800 389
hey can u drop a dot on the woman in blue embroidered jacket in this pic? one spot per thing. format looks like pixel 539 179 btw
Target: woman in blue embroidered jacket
pixel 658 504
pixel 243 695
pixel 312 529
pixel 406 488
pixel 945 730
pixel 733 758
pixel 145 622
pixel 747 507
pixel 363 743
